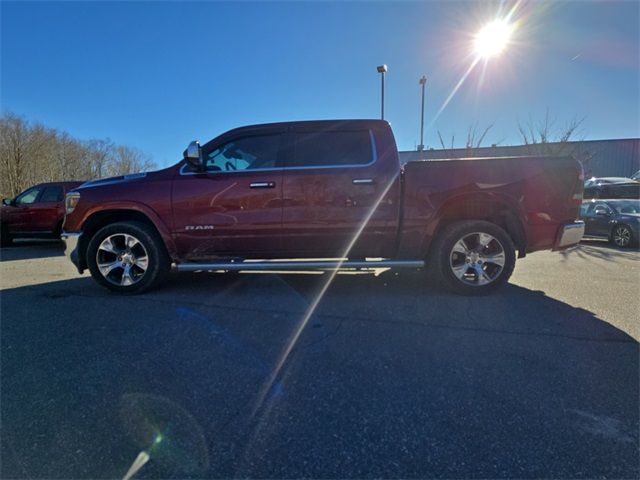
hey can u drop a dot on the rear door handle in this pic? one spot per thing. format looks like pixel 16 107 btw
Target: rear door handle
pixel 263 185
pixel 363 181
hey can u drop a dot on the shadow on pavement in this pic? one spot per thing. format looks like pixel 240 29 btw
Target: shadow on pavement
pixel 601 249
pixel 389 379
pixel 23 249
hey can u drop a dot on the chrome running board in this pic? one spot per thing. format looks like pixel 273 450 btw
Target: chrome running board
pixel 298 265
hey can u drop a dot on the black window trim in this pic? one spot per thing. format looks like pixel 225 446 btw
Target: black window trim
pixel 282 159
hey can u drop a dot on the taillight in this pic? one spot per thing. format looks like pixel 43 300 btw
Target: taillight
pixel 578 191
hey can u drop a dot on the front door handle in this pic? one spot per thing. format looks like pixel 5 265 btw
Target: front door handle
pixel 363 181
pixel 263 185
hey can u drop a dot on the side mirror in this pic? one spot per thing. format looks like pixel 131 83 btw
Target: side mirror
pixel 193 155
pixel 601 211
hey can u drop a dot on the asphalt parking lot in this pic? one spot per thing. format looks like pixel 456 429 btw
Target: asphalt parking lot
pixel 389 378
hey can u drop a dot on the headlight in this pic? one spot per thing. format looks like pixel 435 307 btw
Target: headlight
pixel 71 201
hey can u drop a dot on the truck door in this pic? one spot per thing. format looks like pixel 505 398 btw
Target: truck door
pixel 598 219
pixel 340 191
pixel 47 211
pixel 235 206
pixel 20 213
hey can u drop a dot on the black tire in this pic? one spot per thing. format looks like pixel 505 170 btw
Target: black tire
pixel 622 236
pixel 6 240
pixel 57 231
pixel 148 244
pixel 444 261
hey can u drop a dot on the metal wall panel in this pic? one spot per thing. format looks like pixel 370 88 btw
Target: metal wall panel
pixel 600 158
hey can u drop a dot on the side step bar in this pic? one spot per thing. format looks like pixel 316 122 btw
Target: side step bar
pixel 299 265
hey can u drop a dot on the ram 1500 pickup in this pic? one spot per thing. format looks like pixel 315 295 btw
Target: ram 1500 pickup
pixel 274 196
pixel 37 212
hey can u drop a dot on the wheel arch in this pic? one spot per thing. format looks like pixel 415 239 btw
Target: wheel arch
pixel 489 208
pixel 101 218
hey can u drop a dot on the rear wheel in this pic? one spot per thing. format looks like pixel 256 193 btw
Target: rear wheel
pixel 621 236
pixel 473 257
pixel 127 257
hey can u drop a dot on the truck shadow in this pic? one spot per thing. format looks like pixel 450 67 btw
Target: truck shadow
pixel 389 378
pixel 24 249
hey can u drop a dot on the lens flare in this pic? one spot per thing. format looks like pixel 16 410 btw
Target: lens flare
pixel 297 332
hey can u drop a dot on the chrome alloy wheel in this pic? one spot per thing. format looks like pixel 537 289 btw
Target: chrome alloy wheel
pixel 621 236
pixel 122 259
pixel 477 259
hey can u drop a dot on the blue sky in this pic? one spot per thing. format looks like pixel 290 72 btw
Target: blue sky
pixel 158 74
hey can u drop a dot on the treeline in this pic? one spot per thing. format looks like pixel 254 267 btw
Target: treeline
pixel 32 153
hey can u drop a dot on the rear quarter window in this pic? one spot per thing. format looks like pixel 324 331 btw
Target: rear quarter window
pixel 620 191
pixel 332 148
pixel 52 194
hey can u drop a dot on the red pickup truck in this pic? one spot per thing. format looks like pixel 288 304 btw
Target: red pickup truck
pixel 37 212
pixel 270 196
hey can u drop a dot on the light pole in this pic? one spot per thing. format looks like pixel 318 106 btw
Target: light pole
pixel 423 82
pixel 382 69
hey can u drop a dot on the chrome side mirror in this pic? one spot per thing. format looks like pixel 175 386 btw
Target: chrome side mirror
pixel 193 155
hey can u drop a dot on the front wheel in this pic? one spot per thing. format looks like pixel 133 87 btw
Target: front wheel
pixel 621 236
pixel 127 257
pixel 473 257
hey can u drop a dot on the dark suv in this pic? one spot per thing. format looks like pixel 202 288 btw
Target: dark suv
pixel 38 212
pixel 617 220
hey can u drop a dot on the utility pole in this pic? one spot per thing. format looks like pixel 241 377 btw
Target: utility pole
pixel 382 69
pixel 422 82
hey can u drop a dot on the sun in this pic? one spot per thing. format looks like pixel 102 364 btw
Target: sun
pixel 493 38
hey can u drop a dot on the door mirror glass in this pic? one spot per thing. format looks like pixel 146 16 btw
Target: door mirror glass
pixel 193 155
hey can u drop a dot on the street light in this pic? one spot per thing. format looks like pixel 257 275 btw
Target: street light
pixel 382 69
pixel 422 82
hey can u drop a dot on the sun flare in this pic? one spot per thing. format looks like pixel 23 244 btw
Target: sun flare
pixel 493 38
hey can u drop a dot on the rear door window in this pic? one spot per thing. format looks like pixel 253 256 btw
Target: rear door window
pixel 332 148
pixel 52 194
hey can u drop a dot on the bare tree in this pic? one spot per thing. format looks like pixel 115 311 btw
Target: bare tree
pixel 543 133
pixel 543 138
pixel 474 140
pixel 19 143
pixel 99 152
pixel 126 160
pixel 34 153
